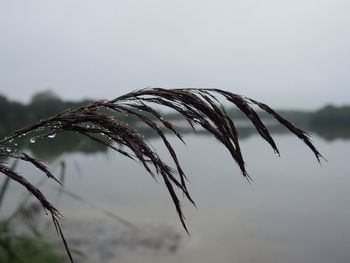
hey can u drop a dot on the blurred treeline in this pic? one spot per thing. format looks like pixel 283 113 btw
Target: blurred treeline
pixel 327 117
pixel 15 115
pixel 331 116
pixel 329 122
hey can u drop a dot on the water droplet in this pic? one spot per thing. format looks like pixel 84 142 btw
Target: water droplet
pixel 8 150
pixel 277 154
pixel 140 110
pixel 11 140
pixel 32 140
pixel 309 136
pixel 15 143
pixel 52 135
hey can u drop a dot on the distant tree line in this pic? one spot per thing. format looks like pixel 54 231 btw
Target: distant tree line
pixel 43 104
pixel 331 116
pixel 15 115
pixel 328 117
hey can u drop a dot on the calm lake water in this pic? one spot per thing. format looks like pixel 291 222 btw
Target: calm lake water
pixel 295 210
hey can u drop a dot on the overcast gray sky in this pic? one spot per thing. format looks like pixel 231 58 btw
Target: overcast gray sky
pixel 287 53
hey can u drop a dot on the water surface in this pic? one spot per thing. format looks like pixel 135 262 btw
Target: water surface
pixel 295 210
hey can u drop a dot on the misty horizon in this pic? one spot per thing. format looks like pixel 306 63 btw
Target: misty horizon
pixel 287 54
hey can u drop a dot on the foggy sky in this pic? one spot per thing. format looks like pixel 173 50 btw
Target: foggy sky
pixel 289 54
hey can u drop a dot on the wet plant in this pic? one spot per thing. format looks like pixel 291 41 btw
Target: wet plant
pixel 97 121
pixel 28 246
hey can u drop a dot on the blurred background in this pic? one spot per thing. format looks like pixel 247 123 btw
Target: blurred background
pixel 294 56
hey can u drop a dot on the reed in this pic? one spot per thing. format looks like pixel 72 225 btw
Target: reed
pixel 200 107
